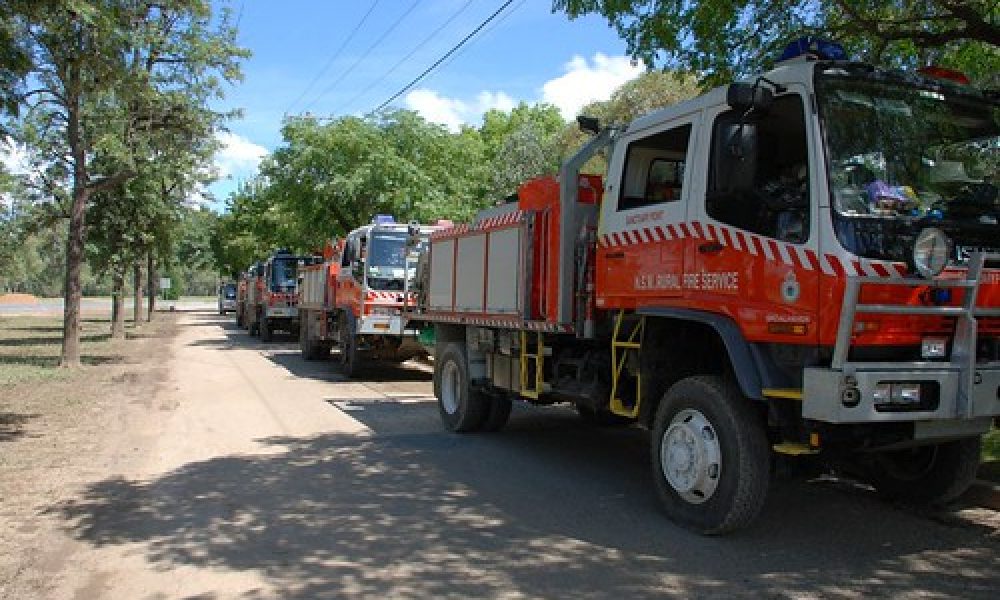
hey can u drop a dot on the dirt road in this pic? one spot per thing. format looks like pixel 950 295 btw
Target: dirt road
pixel 254 474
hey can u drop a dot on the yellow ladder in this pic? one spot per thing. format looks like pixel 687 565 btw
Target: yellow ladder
pixel 533 387
pixel 620 350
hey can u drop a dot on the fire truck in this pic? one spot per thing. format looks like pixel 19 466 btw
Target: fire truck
pixel 273 296
pixel 799 265
pixel 357 299
pixel 246 290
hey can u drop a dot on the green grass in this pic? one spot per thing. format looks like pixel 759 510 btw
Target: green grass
pixel 991 446
pixel 30 348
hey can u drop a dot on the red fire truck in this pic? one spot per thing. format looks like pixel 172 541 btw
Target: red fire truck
pixel 796 265
pixel 356 298
pixel 273 296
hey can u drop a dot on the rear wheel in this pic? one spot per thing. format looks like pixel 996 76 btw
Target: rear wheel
pixel 307 347
pixel 349 363
pixel 928 475
pixel 461 407
pixel 266 334
pixel 711 461
pixel 498 413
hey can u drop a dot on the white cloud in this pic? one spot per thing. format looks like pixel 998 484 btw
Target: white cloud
pixel 238 157
pixel 584 83
pixel 452 112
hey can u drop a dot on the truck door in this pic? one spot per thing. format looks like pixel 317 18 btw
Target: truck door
pixel 753 248
pixel 640 242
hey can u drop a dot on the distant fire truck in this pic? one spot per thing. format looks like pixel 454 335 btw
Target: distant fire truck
pixel 272 296
pixel 356 298
pixel 798 264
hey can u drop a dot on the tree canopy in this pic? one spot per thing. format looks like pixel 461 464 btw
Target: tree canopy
pixel 101 90
pixel 721 40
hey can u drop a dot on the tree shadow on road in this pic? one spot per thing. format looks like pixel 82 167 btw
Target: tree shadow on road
pixel 548 508
pixel 12 425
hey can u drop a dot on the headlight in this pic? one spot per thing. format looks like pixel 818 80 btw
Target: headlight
pixel 931 250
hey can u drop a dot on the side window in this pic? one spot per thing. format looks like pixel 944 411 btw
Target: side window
pixel 654 169
pixel 759 177
pixel 348 255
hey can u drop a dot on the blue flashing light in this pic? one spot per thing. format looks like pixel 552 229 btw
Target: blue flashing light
pixel 815 47
pixel 383 220
pixel 941 296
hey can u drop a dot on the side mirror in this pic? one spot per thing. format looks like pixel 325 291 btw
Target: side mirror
pixel 589 124
pixel 748 97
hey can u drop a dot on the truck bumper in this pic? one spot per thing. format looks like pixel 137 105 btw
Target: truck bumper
pixel 833 396
pixel 383 325
pixel 282 312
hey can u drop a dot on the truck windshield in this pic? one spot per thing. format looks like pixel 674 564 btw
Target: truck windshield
pixel 283 274
pixel 387 261
pixel 902 157
pixel 229 290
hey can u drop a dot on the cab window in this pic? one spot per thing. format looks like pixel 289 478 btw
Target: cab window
pixel 654 169
pixel 758 176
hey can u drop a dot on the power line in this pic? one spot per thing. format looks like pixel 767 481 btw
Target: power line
pixel 485 33
pixel 366 53
pixel 454 48
pixel 405 58
pixel 336 54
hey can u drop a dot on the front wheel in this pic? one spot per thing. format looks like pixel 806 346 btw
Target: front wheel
pixel 928 475
pixel 711 461
pixel 461 407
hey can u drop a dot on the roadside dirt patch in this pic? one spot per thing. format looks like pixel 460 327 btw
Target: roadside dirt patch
pixel 60 428
pixel 18 299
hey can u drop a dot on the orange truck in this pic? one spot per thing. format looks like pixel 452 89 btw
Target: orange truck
pixel 801 266
pixel 357 298
pixel 272 295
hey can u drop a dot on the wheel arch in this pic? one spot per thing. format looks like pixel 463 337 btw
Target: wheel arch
pixel 663 324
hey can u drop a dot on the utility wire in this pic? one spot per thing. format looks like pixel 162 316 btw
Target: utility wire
pixel 366 53
pixel 336 54
pixel 405 58
pixel 483 34
pixel 454 48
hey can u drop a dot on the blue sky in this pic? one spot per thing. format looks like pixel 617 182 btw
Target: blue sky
pixel 526 54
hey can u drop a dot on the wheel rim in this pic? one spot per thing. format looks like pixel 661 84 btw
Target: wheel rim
pixel 690 456
pixel 449 387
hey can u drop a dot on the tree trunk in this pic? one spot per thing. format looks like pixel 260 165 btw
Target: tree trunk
pixel 118 304
pixel 73 291
pixel 151 285
pixel 137 301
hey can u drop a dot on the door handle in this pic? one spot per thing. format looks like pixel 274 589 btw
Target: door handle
pixel 710 248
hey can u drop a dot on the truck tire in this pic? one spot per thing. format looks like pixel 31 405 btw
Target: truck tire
pixel 306 346
pixel 711 460
pixel 349 363
pixel 266 334
pixel 498 413
pixel 462 408
pixel 927 475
